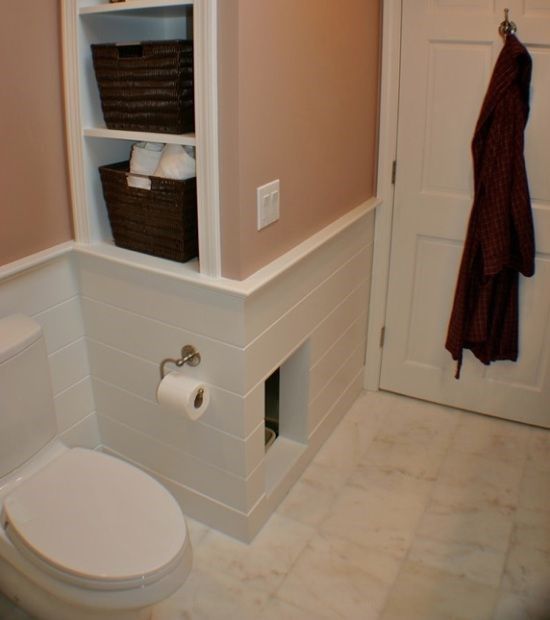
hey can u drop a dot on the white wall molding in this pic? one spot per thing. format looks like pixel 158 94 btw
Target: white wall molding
pixel 279 266
pixel 387 147
pixel 34 261
pixel 71 88
pixel 238 288
pixel 206 116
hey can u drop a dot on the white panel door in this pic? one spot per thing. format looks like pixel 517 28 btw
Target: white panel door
pixel 449 48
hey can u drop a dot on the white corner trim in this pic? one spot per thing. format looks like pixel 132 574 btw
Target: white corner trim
pixel 387 147
pixel 205 20
pixel 236 288
pixel 266 274
pixel 35 260
pixel 71 88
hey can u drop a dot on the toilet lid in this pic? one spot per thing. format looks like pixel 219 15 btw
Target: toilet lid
pixel 91 516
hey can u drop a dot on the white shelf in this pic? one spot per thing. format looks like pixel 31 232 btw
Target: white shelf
pixel 187 139
pixel 132 5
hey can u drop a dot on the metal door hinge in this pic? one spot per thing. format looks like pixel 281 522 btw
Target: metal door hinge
pixel 382 336
pixel 393 172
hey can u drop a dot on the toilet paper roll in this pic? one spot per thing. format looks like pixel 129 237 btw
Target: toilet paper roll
pixel 183 395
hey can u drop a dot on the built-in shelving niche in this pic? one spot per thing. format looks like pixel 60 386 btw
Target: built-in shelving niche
pixel 91 144
pixel 103 24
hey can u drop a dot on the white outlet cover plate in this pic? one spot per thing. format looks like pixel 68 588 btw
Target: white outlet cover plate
pixel 268 198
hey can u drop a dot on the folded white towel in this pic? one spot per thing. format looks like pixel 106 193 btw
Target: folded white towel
pixel 144 159
pixel 176 163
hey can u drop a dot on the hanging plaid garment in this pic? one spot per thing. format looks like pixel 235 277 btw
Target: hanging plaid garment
pixel 500 239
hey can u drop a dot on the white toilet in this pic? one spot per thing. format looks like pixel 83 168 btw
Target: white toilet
pixel 83 535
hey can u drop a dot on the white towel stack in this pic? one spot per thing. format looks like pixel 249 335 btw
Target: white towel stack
pixel 144 159
pixel 169 161
pixel 176 163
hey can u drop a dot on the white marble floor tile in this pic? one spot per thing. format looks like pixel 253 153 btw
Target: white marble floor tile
pixel 513 606
pixel 473 562
pixel 539 449
pixel 345 447
pixel 423 593
pixel 279 610
pixel 340 579
pixel 9 612
pixel 532 529
pixel 262 564
pixel 535 489
pixel 492 438
pixel 310 499
pixel 527 571
pixel 416 422
pixel 481 526
pixel 467 480
pixel 210 595
pixel 379 511
pixel 418 461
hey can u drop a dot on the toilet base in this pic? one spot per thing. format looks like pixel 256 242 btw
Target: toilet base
pixel 42 606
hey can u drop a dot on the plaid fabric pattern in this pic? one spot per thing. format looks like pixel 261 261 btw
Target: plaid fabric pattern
pixel 500 239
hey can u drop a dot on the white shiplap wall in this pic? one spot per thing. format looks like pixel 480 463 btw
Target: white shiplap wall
pixel 48 292
pixel 216 467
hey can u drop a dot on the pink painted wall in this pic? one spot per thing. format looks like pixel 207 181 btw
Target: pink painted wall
pixel 34 205
pixel 298 102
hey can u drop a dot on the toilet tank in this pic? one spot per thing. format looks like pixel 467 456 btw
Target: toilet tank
pixel 27 416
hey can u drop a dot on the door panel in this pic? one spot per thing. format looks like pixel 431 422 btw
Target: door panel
pixel 449 48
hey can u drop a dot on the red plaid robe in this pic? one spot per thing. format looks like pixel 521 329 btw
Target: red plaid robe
pixel 500 239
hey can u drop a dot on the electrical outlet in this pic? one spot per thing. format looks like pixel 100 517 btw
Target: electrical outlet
pixel 268 203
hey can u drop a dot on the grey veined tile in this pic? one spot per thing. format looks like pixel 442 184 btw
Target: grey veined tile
pixel 514 606
pixel 425 593
pixel 471 561
pixel 340 579
pixel 532 529
pixel 467 480
pixel 381 516
pixel 539 449
pixel 475 525
pixel 527 571
pixel 535 490
pixel 262 564
pixel 310 499
pixel 212 596
pixel 279 610
pixel 492 439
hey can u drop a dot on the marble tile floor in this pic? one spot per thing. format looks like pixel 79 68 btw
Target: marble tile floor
pixel 410 511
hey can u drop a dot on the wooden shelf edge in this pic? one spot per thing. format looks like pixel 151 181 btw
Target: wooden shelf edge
pixel 131 5
pixel 187 139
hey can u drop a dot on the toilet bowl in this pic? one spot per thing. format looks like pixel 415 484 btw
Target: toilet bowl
pixel 83 535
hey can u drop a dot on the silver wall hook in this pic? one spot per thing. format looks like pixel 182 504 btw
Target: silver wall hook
pixel 507 27
pixel 189 355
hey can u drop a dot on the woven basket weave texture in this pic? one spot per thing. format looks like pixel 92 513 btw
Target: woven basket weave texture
pixel 161 221
pixel 146 86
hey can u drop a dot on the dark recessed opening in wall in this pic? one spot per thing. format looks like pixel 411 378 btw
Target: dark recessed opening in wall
pixel 272 400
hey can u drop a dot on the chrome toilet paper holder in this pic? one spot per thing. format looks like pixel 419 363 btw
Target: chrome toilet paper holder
pixel 189 355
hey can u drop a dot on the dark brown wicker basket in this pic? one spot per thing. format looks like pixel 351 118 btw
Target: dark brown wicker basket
pixel 161 221
pixel 146 86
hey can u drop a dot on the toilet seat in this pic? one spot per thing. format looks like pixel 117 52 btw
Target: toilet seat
pixel 96 522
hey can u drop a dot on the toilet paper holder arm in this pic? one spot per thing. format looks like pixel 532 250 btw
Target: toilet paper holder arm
pixel 189 355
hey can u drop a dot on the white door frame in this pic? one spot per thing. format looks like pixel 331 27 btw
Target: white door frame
pixel 387 148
